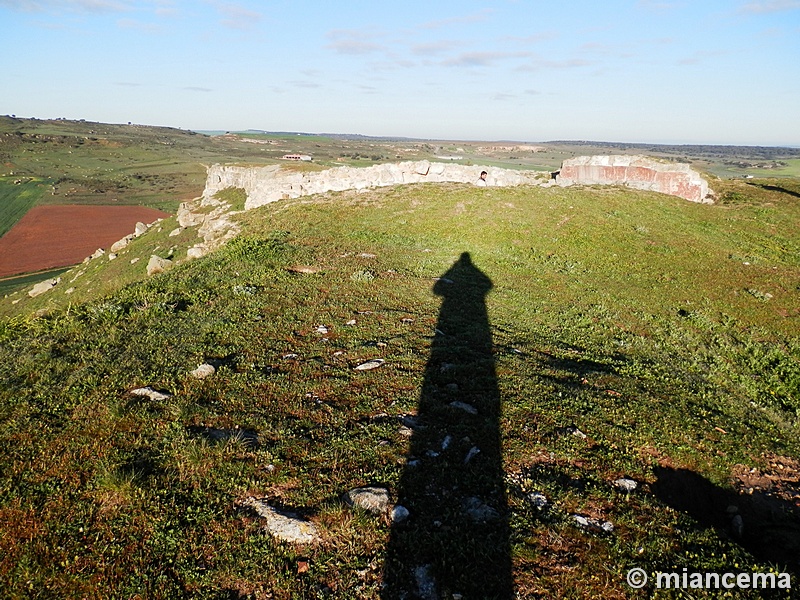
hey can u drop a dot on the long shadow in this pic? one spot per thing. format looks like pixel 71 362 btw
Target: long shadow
pixel 775 188
pixel 456 537
pixel 765 525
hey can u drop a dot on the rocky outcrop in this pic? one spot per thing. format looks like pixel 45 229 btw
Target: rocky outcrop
pixel 640 172
pixel 44 286
pixel 263 185
pixel 269 184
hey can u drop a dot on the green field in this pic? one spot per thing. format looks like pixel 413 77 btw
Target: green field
pixel 597 333
pixel 17 197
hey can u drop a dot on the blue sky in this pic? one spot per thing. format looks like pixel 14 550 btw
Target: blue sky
pixel 669 71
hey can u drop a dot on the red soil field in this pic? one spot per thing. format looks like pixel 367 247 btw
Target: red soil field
pixel 48 237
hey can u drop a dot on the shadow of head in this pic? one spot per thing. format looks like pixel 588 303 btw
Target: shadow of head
pixel 764 524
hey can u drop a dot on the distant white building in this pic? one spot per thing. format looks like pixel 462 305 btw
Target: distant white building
pixel 296 157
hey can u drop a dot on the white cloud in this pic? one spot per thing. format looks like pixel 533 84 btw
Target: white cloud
pixel 477 17
pixel 138 25
pixel 353 42
pixel 236 16
pixel 481 59
pixel 771 6
pixel 657 5
pixel 699 57
pixel 60 6
pixel 435 48
pixel 541 63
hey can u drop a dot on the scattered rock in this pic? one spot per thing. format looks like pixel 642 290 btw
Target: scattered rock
pixel 69 291
pixel 149 392
pixel 140 229
pixel 134 260
pixel 407 320
pixel 478 511
pixel 370 364
pixel 399 514
pixel 371 499
pixel 284 526
pixel 538 500
pixel 471 454
pixel 737 524
pixel 245 290
pixel 426 584
pixel 594 525
pixel 203 371
pixel 120 244
pixel 197 251
pixel 43 286
pixel 464 406
pixel 303 269
pixel 626 485
pixel 367 255
pixel 290 356
pixel 156 264
pixel 576 432
pixel 351 322
pixel 176 232
pixel 112 256
pixel 322 329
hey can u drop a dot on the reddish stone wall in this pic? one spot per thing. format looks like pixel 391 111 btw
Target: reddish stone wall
pixel 676 179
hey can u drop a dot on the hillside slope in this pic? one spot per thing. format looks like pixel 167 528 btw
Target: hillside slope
pixel 537 345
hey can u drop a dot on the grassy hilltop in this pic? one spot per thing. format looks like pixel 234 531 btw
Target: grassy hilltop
pixel 596 333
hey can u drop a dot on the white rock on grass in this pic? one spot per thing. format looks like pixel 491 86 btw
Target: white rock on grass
pixel 44 286
pixel 372 499
pixel 539 500
pixel 594 525
pixel 370 364
pixel 149 392
pixel 203 371
pixel 625 484
pixel 156 264
pixel 283 526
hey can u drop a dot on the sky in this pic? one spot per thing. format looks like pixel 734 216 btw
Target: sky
pixel 648 71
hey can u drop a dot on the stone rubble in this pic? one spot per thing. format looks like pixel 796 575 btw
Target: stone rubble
pixel 283 526
pixel 149 392
pixel 372 499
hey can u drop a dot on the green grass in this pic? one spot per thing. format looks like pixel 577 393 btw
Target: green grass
pixel 624 314
pixel 18 284
pixel 16 199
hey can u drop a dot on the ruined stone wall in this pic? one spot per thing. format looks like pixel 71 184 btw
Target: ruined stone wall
pixel 640 172
pixel 269 184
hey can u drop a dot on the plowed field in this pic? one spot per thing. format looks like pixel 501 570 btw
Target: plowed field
pixel 48 237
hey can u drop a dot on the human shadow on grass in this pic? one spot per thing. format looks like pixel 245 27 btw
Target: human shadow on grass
pixel 775 188
pixel 456 537
pixel 762 522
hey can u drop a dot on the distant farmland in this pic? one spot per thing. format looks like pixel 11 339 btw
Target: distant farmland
pixel 49 237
